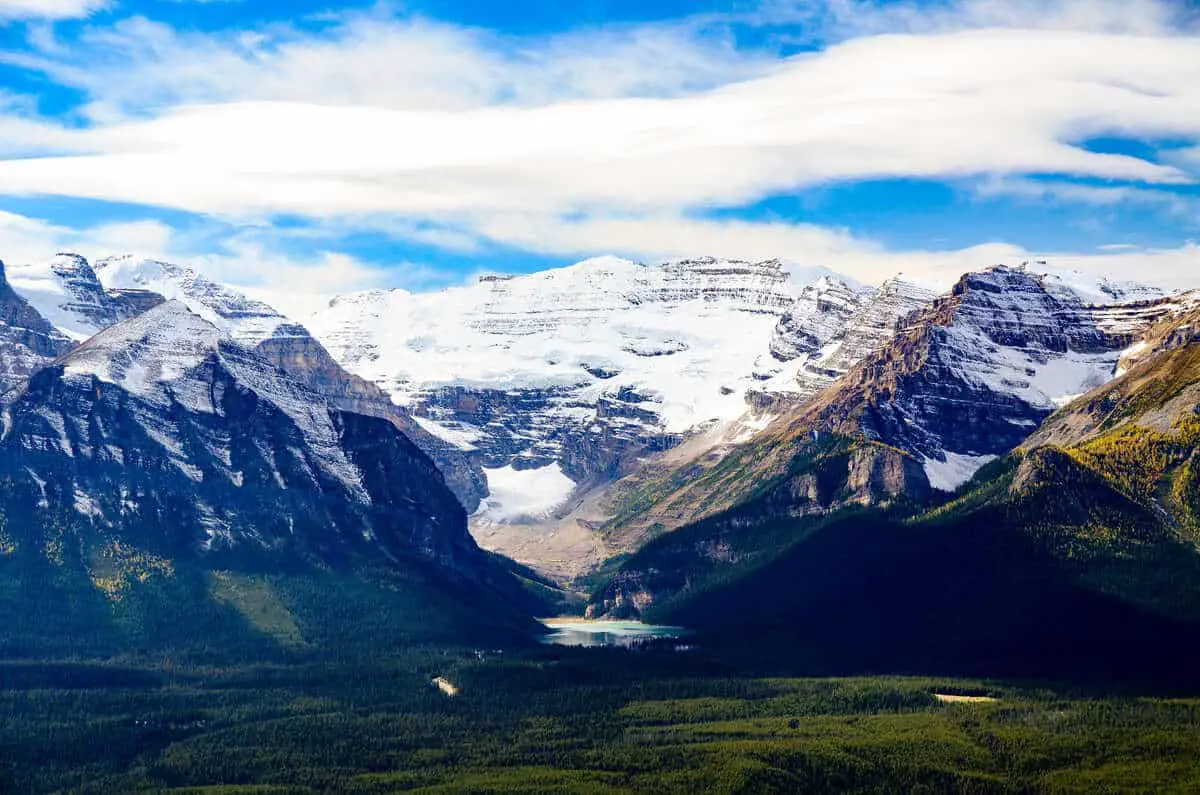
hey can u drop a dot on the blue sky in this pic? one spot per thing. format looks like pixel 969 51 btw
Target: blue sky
pixel 308 147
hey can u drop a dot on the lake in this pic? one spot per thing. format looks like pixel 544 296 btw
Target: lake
pixel 582 632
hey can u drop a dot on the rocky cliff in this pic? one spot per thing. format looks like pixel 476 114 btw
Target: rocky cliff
pixel 27 340
pixel 168 471
pixel 80 300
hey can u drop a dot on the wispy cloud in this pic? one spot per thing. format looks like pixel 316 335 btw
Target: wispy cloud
pixel 49 9
pixel 1115 196
pixel 621 137
pixel 980 102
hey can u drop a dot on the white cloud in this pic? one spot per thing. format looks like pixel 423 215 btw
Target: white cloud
pixel 24 239
pixel 607 139
pixel 372 59
pixel 1078 193
pixel 49 9
pixel 945 106
pixel 825 19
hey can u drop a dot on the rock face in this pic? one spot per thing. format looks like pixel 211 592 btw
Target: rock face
pixel 832 328
pixel 961 383
pixel 975 374
pixel 80 301
pixel 162 433
pixel 958 384
pixel 820 314
pixel 27 340
pixel 67 292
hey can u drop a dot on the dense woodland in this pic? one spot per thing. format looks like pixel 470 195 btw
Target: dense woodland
pixel 561 720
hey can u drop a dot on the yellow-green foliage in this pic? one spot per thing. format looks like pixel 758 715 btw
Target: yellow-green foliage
pixel 1138 460
pixel 116 567
pixel 7 545
pixel 55 547
pixel 257 602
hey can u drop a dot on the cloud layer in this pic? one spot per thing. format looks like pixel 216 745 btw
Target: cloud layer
pixel 48 9
pixel 624 138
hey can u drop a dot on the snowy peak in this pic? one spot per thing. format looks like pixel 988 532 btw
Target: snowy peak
pixel 27 340
pixel 242 319
pixel 163 416
pixel 66 292
pixel 832 328
pixel 148 353
pixel 973 375
pixel 819 314
pixel 171 359
pixel 81 301
pixel 1093 290
pixel 541 302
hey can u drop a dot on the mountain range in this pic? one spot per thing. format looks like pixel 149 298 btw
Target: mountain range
pixel 686 440
pixel 176 463
pixel 1074 553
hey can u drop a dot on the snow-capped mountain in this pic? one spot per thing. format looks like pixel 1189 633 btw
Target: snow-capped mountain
pixel 81 300
pixel 982 368
pixel 969 378
pixel 959 383
pixel 27 340
pixel 163 416
pixel 579 369
pixel 1090 289
pixel 67 292
pixel 831 328
pixel 241 319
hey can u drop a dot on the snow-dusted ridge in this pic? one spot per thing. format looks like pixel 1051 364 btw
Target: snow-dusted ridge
pixel 164 358
pixel 242 319
pixel 577 366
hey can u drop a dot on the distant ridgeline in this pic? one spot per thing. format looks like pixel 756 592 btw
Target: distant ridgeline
pixel 173 484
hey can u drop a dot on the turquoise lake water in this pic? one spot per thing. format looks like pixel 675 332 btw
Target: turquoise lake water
pixel 581 632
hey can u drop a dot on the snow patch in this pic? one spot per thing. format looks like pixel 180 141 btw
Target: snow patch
pixel 64 291
pixel 239 318
pixel 86 505
pixel 956 470
pixel 519 494
pixel 462 437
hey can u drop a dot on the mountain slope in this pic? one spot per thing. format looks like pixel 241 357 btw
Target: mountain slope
pixel 1075 555
pixel 67 292
pixel 80 301
pixel 1141 432
pixel 582 366
pixel 160 457
pixel 831 328
pixel 959 384
pixel 566 380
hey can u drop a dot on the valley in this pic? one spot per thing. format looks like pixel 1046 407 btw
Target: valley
pixel 729 491
pixel 755 397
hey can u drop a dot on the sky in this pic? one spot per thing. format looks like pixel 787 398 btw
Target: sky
pixel 300 148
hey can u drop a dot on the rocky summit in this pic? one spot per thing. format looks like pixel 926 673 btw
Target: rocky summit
pixel 80 300
pixel 566 379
